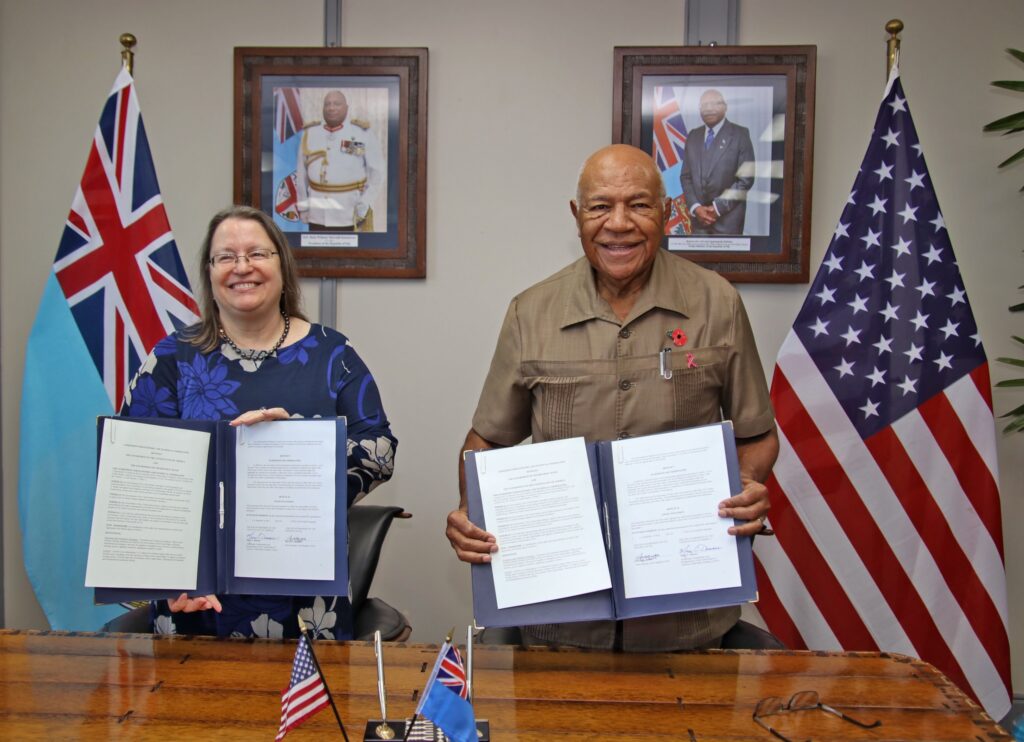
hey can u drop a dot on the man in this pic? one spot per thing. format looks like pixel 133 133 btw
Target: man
pixel 718 170
pixel 578 356
pixel 339 172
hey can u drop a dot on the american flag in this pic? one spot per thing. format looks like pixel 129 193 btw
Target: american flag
pixel 306 693
pixel 117 262
pixel 885 499
pixel 287 114
pixel 669 132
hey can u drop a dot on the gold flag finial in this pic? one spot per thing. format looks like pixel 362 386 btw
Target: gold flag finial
pixel 127 55
pixel 893 28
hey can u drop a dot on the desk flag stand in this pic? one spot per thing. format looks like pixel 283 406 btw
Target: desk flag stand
pixel 417 728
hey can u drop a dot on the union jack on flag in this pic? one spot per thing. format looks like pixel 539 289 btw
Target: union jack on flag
pixel 117 262
pixel 669 129
pixel 287 114
pixel 451 673
pixel 669 133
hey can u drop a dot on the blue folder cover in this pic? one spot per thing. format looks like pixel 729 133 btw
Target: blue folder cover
pixel 606 604
pixel 215 571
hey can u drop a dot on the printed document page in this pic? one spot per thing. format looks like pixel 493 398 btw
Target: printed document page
pixel 668 487
pixel 149 507
pixel 538 501
pixel 284 500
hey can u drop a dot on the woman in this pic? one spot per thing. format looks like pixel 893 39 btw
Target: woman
pixel 254 357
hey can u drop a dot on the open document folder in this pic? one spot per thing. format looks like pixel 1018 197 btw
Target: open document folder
pixel 202 507
pixel 608 530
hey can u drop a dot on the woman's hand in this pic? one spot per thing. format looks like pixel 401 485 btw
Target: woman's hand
pixel 262 415
pixel 185 604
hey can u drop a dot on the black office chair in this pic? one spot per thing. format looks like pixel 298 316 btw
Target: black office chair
pixel 367 527
pixel 746 635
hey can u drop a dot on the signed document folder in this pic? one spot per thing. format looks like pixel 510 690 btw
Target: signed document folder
pixel 205 508
pixel 608 530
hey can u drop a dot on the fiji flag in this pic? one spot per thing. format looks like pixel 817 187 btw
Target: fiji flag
pixel 287 136
pixel 445 699
pixel 117 287
pixel 669 134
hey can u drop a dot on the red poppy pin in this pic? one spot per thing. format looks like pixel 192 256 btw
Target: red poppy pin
pixel 677 336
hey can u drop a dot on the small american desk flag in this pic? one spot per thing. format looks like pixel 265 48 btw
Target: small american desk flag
pixel 305 694
pixel 885 495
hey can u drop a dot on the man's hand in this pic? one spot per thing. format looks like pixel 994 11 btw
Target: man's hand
pixel 473 545
pixel 757 456
pixel 751 505
pixel 706 214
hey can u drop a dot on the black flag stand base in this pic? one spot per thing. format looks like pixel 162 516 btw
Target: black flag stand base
pixel 422 731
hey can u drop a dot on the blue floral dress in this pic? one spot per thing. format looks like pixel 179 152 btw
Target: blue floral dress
pixel 319 376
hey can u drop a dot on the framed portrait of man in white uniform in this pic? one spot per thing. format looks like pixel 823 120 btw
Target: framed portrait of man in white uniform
pixel 331 143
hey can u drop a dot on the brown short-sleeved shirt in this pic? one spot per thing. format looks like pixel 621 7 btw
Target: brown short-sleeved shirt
pixel 566 366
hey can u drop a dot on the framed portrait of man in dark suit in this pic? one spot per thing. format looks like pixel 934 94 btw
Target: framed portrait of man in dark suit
pixel 732 132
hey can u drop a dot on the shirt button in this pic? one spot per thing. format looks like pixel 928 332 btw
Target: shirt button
pixel 625 332
pixel 623 435
pixel 625 384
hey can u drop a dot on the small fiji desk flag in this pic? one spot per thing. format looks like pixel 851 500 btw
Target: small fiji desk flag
pixel 445 699
pixel 885 499
pixel 116 289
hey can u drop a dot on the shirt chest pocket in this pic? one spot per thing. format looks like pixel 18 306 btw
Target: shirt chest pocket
pixel 698 380
pixel 566 396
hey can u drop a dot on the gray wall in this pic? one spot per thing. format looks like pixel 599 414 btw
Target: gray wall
pixel 519 94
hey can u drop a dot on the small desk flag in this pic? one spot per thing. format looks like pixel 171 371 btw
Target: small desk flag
pixel 444 699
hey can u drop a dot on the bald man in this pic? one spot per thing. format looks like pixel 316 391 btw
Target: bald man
pixel 718 170
pixel 340 170
pixel 578 355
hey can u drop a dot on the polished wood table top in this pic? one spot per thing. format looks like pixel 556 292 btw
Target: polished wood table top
pixel 94 686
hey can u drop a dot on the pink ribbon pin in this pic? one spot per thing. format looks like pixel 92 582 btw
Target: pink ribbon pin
pixel 690 363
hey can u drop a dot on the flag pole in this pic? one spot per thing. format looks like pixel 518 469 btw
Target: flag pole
pixel 127 55
pixel 316 664
pixel 892 45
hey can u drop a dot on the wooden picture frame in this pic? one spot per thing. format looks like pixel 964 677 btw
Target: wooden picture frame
pixel 351 198
pixel 747 214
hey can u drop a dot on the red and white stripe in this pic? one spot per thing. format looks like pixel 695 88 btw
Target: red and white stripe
pixel 301 701
pixel 891 543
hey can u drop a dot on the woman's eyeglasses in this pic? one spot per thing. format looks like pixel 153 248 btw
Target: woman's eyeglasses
pixel 224 259
pixel 800 701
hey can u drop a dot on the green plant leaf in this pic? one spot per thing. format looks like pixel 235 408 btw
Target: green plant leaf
pixel 1018 338
pixel 1018 308
pixel 1006 122
pixel 1019 411
pixel 1012 361
pixel 1009 84
pixel 1012 159
pixel 1010 382
pixel 1017 53
pixel 1015 426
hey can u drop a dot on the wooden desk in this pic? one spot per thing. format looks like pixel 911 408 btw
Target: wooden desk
pixel 58 685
